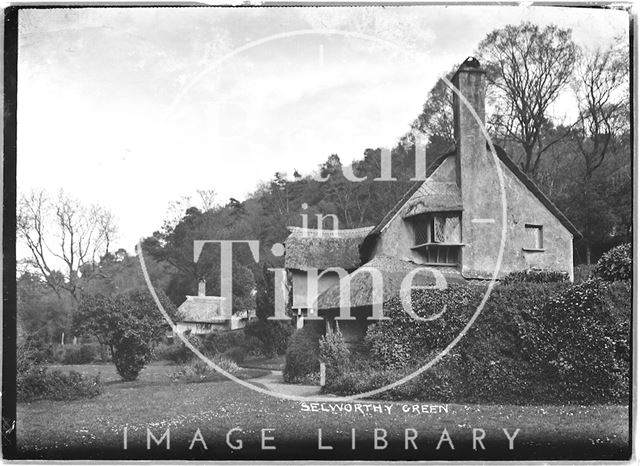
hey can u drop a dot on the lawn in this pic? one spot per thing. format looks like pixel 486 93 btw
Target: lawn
pixel 95 428
pixel 158 373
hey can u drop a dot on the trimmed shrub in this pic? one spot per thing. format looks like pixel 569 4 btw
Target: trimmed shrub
pixel 129 357
pixel 574 341
pixel 535 276
pixel 38 383
pixel 402 340
pixel 302 358
pixel 615 264
pixel 532 343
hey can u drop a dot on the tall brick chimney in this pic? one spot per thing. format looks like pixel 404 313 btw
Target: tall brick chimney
pixel 202 287
pixel 470 142
pixel 475 174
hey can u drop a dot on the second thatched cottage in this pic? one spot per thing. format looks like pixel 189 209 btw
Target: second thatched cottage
pixel 452 221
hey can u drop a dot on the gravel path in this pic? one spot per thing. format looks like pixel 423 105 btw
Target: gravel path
pixel 275 383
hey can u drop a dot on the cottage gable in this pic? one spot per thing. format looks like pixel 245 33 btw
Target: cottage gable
pixel 452 224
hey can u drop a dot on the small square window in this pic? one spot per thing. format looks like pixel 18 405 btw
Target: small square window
pixel 533 236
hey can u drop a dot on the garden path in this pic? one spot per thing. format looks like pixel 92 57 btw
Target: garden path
pixel 275 383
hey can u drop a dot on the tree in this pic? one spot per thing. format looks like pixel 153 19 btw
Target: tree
pixel 65 231
pixel 207 198
pixel 436 118
pixel 129 324
pixel 274 335
pixel 119 273
pixel 40 312
pixel 174 245
pixel 527 67
pixel 601 104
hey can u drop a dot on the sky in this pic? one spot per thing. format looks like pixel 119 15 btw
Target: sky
pixel 134 108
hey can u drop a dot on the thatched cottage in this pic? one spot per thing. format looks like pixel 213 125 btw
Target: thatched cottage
pixel 204 314
pixel 451 221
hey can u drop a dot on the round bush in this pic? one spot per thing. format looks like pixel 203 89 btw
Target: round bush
pixel 615 264
pixel 129 357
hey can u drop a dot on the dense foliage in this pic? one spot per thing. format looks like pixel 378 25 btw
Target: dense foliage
pixel 77 354
pixel 532 343
pixel 616 264
pixel 35 382
pixel 273 336
pixel 39 383
pixel 302 358
pixel 130 324
pixel 333 351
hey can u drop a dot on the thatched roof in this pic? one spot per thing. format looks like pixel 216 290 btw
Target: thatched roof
pixel 202 309
pixel 434 196
pixel 321 249
pixel 393 272
pixel 370 240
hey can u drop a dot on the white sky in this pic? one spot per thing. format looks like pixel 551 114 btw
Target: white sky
pixel 125 108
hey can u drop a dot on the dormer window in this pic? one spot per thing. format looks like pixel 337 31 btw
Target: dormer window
pixel 437 237
pixel 437 228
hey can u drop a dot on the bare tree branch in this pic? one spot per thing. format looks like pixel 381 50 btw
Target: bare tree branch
pixel 64 230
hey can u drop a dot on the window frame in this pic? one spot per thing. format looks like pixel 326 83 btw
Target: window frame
pixel 445 254
pixel 539 246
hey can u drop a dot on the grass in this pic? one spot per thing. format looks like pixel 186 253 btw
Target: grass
pixel 154 374
pixel 94 428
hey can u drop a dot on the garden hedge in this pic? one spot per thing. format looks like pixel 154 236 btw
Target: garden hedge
pixel 552 342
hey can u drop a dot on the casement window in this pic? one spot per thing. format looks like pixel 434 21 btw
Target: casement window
pixel 437 228
pixel 437 237
pixel 533 237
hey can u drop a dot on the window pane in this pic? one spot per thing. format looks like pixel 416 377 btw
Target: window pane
pixel 534 236
pixel 439 223
pixel 421 230
pixel 452 229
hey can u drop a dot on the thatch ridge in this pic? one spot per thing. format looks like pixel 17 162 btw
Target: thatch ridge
pixel 202 309
pixel 322 249
pixel 393 271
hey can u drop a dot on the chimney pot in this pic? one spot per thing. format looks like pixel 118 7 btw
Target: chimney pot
pixel 202 287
